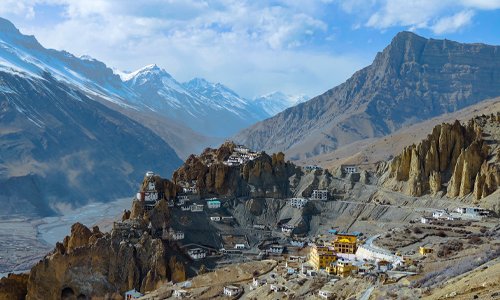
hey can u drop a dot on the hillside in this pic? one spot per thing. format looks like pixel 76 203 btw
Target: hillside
pixel 413 79
pixel 59 147
pixel 366 153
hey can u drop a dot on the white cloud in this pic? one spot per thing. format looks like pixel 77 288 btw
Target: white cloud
pixel 251 46
pixel 453 23
pixel 443 16
pixel 481 4
pixel 15 7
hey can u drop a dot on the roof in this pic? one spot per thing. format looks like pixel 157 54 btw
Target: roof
pixel 232 287
pixel 134 293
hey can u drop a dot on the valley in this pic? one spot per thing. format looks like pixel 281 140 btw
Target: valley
pixel 135 185
pixel 24 241
pixel 231 209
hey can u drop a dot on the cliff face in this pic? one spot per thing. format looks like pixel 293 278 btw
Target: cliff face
pixel 265 176
pixel 89 263
pixel 461 159
pixel 411 80
pixel 13 287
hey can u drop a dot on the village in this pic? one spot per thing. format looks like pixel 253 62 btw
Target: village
pixel 327 257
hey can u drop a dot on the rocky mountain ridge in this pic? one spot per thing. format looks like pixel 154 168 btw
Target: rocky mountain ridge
pixel 60 147
pixel 91 264
pixel 411 80
pixel 265 176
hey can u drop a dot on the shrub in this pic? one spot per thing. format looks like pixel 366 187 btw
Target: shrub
pixel 475 240
pixel 441 234
pixel 450 247
pixel 417 230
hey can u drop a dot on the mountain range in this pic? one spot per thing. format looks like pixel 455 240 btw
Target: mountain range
pixel 73 131
pixel 411 80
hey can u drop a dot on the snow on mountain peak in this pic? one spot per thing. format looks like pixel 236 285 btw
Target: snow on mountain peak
pixel 275 102
pixel 145 72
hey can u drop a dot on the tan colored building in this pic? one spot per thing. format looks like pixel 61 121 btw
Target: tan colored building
pixel 425 250
pixel 345 243
pixel 341 267
pixel 322 256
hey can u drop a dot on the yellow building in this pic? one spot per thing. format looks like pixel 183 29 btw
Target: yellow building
pixel 345 243
pixel 424 250
pixel 342 268
pixel 322 256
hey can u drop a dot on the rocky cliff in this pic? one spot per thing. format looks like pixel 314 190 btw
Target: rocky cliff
pixel 455 158
pixel 13 287
pixel 411 80
pixel 265 176
pixel 90 264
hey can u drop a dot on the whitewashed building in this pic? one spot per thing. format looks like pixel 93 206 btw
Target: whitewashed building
pixel 190 189
pixel 473 211
pixel 172 235
pixel 259 282
pixel 287 228
pixel 312 167
pixel 215 218
pixel 425 220
pixel 297 202
pixel 197 253
pixel 297 243
pixel 239 246
pixel 321 195
pixel 241 149
pixel 181 199
pixel 349 169
pixel 277 288
pixel 195 207
pixel 181 293
pixel 276 249
pixel 325 294
pixel 232 290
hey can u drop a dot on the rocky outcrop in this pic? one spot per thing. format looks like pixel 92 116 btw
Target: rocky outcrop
pixel 13 287
pixel 458 156
pixel 466 169
pixel 79 237
pixel 265 176
pixel 487 180
pixel 93 264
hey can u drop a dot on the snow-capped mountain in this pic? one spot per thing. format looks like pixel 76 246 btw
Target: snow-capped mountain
pixel 276 102
pixel 210 109
pixel 63 139
pixel 23 55
pixel 217 92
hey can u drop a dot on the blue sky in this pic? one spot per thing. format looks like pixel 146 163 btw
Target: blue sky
pixel 254 47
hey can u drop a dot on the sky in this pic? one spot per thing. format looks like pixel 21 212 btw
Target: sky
pixel 253 47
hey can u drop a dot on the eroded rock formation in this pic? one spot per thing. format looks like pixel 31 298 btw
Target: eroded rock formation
pixel 93 264
pixel 459 159
pixel 13 287
pixel 265 176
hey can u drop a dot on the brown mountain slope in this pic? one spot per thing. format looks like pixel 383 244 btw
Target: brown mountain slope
pixel 366 153
pixel 412 80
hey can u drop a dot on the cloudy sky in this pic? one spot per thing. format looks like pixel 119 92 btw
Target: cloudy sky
pixel 254 47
